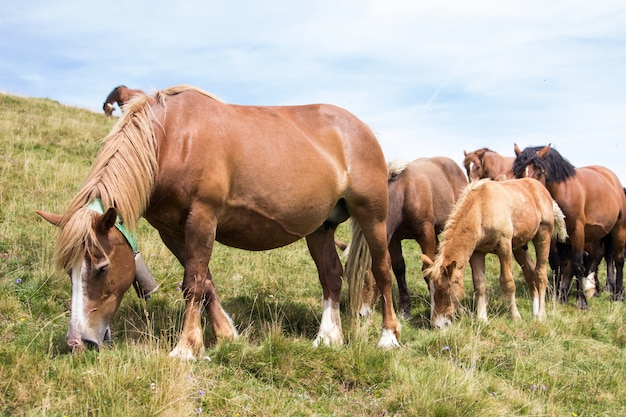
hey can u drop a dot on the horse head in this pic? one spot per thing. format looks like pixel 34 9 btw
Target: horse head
pixel 108 109
pixel 100 275
pixel 473 166
pixel 531 162
pixel 447 289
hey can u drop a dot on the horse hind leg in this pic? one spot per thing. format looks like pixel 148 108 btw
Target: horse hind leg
pixel 618 261
pixel 321 245
pixel 374 231
pixel 539 278
pixel 399 269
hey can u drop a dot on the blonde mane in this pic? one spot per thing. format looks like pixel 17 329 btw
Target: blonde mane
pixel 122 176
pixel 459 209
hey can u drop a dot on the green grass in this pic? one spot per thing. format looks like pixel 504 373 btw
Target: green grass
pixel 572 364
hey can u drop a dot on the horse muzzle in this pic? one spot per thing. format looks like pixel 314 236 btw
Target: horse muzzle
pixel 81 340
pixel 441 321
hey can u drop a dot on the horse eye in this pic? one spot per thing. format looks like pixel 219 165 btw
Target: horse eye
pixel 101 270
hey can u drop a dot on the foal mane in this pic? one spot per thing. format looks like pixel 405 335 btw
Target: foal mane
pixel 458 212
pixel 556 168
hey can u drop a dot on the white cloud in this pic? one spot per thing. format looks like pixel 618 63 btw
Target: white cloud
pixel 429 77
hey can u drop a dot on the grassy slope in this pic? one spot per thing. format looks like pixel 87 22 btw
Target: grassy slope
pixel 574 363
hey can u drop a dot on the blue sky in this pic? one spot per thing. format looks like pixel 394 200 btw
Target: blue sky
pixel 430 77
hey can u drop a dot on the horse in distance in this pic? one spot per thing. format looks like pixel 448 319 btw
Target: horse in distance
pixel 593 201
pixel 120 95
pixel 499 217
pixel 251 177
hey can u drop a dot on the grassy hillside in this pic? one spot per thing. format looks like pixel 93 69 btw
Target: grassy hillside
pixel 573 364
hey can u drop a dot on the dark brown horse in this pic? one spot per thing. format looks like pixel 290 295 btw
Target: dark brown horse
pixel 120 95
pixel 485 163
pixel 421 196
pixel 594 204
pixel 254 178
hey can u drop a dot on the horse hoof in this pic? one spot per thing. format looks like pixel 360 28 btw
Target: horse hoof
pixel 327 341
pixel 182 354
pixel 388 340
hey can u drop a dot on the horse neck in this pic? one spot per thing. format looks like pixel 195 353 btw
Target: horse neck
pixel 495 164
pixel 114 96
pixel 460 239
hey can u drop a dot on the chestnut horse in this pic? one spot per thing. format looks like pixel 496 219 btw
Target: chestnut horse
pixel 594 204
pixel 254 178
pixel 498 217
pixel 421 196
pixel 120 95
pixel 485 163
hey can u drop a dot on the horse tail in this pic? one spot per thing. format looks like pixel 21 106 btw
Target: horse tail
pixel 358 264
pixel 560 230
pixel 395 168
pixel 359 259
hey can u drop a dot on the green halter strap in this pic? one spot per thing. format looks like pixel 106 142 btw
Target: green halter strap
pixel 96 205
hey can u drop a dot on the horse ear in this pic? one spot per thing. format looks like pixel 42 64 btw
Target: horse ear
pixel 464 152
pixel 108 219
pixel 450 269
pixel 517 150
pixel 545 151
pixel 54 219
pixel 427 261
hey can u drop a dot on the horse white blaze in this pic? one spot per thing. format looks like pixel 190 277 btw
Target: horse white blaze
pixel 365 310
pixel 441 320
pixel 77 318
pixel 330 327
pixel 589 285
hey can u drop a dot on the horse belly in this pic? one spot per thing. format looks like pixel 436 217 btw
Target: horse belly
pixel 257 230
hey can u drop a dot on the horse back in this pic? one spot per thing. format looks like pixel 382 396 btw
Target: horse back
pixel 427 190
pixel 593 198
pixel 280 170
pixel 515 209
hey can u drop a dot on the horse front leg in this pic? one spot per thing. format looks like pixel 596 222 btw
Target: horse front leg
pixel 198 290
pixel 477 263
pixel 329 270
pixel 507 283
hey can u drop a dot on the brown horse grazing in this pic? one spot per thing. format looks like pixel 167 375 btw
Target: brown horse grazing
pixel 485 163
pixel 498 217
pixel 421 196
pixel 120 95
pixel 594 204
pixel 254 178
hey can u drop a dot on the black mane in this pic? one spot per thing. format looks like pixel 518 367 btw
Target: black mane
pixel 556 168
